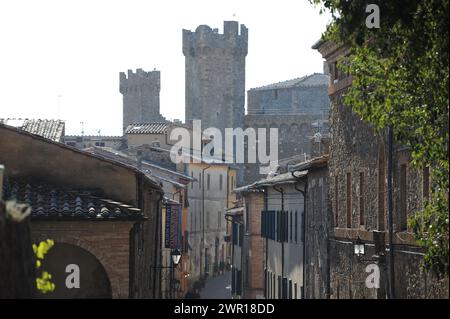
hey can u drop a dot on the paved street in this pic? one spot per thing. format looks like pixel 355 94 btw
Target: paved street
pixel 217 287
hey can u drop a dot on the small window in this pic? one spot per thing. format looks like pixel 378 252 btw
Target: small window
pixel 290 226
pixel 220 182
pixel 275 94
pixel 403 195
pixel 200 180
pixel 290 289
pixel 279 287
pixel 192 182
pixel 241 234
pixel 273 286
pixel 208 181
pixel 335 71
pixel 296 227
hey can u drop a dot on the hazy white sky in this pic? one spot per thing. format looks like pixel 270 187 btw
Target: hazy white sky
pixel 76 49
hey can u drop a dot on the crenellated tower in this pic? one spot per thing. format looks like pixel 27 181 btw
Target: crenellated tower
pixel 215 75
pixel 140 92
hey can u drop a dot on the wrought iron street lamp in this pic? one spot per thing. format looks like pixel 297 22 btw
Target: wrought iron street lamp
pixel 358 247
pixel 174 284
pixel 176 256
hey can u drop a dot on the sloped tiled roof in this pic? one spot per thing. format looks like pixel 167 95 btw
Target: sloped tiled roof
pixel 147 128
pixel 130 160
pixel 51 129
pixel 51 202
pixel 316 79
pixel 284 178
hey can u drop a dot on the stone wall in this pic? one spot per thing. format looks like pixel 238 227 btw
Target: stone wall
pixel 294 132
pixel 294 100
pixel 316 233
pixel 215 75
pixel 140 92
pixel 358 199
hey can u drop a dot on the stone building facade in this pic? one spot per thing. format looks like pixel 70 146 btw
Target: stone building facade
pixel 298 108
pixel 209 197
pixel 358 202
pixel 316 226
pixel 215 75
pixel 140 92
pixel 86 141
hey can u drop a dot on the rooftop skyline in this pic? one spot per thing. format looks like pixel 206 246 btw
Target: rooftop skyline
pixel 62 60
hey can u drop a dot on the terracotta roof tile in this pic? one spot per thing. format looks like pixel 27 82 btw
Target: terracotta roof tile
pixel 51 129
pixel 53 202
pixel 147 128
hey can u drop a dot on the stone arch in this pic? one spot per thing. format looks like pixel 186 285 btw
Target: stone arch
pixel 86 272
pixel 305 129
pixel 99 254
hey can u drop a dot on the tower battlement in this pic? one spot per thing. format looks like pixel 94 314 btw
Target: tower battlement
pixel 139 78
pixel 140 92
pixel 210 39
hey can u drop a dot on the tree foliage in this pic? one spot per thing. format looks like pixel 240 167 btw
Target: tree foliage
pixel 43 283
pixel 400 77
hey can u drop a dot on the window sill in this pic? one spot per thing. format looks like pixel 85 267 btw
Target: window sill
pixel 399 238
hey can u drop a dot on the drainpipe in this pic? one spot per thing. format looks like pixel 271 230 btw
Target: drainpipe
pixel 282 240
pixel 157 243
pixel 232 245
pixel 266 207
pixel 202 252
pixel 304 193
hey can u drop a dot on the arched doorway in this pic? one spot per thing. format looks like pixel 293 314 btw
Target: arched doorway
pixel 93 279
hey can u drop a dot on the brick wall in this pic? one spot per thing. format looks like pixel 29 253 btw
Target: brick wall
pixel 253 246
pixel 108 241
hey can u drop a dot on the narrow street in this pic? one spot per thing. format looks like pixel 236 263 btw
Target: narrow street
pixel 217 287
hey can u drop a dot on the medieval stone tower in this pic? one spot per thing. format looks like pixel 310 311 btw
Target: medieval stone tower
pixel 140 92
pixel 215 75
